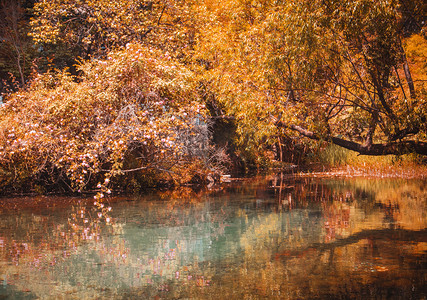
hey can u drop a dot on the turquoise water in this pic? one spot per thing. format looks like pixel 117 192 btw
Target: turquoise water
pixel 298 238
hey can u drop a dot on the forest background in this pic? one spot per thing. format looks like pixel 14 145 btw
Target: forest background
pixel 128 94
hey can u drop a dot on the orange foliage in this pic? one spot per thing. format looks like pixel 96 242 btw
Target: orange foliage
pixel 133 111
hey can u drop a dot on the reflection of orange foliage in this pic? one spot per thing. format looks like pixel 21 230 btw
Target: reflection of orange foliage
pixel 337 220
pixel 181 195
pixel 295 253
pixel 202 281
pixel 83 225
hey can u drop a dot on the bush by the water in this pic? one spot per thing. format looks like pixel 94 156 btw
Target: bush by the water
pixel 136 110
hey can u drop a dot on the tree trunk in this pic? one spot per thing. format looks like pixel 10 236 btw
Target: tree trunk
pixel 407 73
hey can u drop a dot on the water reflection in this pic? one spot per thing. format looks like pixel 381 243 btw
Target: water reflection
pixel 280 237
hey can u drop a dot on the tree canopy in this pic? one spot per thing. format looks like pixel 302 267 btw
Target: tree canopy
pixel 118 87
pixel 93 28
pixel 332 70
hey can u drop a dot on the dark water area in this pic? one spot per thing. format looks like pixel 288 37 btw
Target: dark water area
pixel 264 238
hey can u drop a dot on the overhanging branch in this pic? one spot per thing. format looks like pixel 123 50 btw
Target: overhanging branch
pixel 395 147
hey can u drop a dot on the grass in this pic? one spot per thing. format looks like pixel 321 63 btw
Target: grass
pixel 347 162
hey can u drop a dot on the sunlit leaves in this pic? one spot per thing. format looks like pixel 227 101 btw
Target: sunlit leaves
pixel 334 67
pixel 133 111
pixel 96 27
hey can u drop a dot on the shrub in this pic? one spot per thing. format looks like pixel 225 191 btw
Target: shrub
pixel 132 112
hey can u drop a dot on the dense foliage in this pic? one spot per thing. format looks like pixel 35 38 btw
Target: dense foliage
pixel 134 111
pixel 118 88
pixel 332 70
pixel 94 27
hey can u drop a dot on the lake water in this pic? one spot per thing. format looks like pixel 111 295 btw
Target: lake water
pixel 270 238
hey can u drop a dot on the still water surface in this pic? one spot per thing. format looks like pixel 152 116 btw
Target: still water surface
pixel 270 238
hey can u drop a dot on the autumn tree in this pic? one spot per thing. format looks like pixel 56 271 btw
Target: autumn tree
pixel 131 113
pixel 93 28
pixel 339 71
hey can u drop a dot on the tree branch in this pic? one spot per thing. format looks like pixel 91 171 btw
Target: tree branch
pixel 407 72
pixel 396 148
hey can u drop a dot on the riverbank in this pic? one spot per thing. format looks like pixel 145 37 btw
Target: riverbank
pixel 314 170
pixel 412 172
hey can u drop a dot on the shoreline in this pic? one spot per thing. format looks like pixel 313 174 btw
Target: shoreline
pixel 418 172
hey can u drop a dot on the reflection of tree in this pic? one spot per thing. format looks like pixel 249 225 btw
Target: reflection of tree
pixel 401 202
pixel 162 242
pixel 224 244
pixel 337 218
pixel 295 191
pixel 400 235
pixel 41 236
